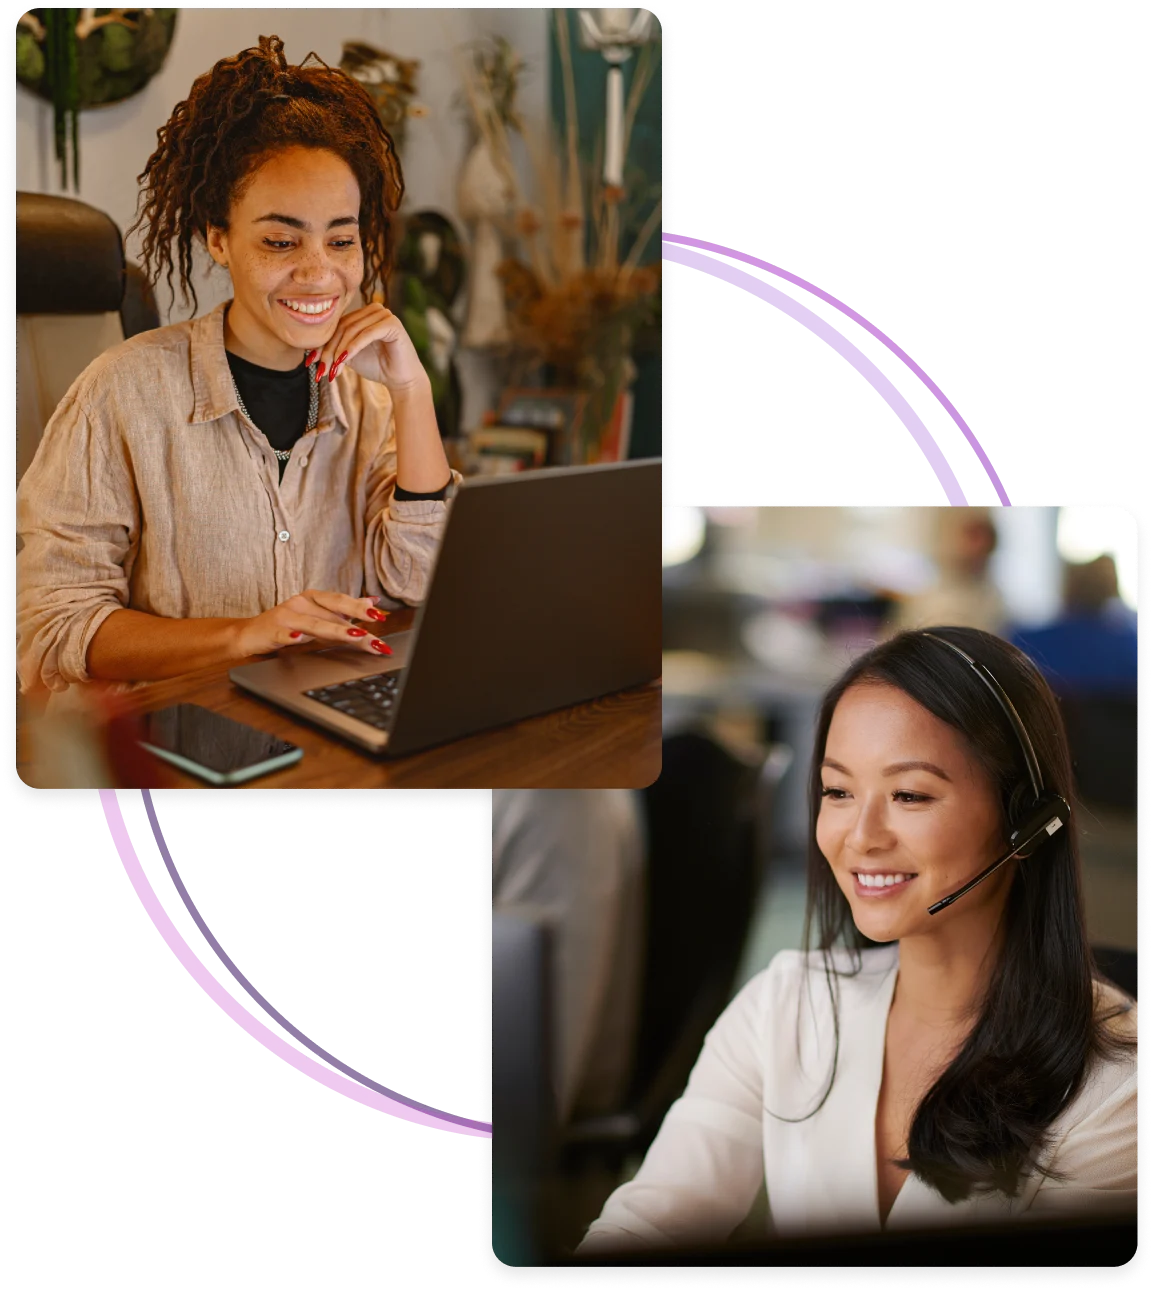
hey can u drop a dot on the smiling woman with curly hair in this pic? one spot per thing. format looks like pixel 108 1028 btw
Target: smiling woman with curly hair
pixel 263 474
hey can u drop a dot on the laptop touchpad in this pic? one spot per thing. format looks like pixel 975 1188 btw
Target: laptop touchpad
pixel 360 664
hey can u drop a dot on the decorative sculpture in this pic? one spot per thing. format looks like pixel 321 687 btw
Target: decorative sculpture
pixel 431 263
pixel 390 81
pixel 487 198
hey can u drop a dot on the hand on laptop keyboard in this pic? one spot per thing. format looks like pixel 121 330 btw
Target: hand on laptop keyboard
pixel 312 615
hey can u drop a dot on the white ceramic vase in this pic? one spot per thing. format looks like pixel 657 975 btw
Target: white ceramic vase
pixel 485 197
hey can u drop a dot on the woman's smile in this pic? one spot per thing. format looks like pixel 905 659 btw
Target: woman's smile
pixel 881 883
pixel 308 311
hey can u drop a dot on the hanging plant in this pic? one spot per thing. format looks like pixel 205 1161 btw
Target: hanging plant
pixel 84 58
pixel 46 55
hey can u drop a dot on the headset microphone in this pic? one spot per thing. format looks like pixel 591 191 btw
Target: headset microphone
pixel 1050 816
pixel 1049 812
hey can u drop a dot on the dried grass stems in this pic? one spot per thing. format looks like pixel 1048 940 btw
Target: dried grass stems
pixel 574 301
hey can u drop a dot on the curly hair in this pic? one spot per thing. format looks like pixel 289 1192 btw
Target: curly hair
pixel 237 115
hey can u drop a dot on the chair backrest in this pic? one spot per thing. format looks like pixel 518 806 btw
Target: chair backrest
pixel 1120 966
pixel 703 877
pixel 1102 727
pixel 75 297
pixel 524 1116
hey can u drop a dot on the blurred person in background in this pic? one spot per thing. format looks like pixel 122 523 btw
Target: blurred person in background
pixel 968 1066
pixel 1093 644
pixel 965 593
pixel 578 856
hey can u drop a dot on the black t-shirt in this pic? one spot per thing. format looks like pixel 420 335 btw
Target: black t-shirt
pixel 278 405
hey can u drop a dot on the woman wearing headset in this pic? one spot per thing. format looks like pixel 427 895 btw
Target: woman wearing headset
pixel 261 475
pixel 971 1068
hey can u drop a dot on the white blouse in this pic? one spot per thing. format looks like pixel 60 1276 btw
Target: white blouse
pixel 770 1052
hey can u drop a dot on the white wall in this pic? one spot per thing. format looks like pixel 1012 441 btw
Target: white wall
pixel 115 142
pixel 1026 565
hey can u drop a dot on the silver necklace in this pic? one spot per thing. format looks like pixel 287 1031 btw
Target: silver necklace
pixel 283 454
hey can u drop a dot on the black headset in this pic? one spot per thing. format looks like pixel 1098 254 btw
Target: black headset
pixel 1048 812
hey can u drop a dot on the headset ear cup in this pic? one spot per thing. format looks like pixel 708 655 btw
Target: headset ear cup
pixel 1045 818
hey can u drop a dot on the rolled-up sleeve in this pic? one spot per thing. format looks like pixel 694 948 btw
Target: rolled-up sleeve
pixel 401 537
pixel 78 518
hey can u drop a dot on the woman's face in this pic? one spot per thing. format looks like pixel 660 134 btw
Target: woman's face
pixel 293 250
pixel 907 815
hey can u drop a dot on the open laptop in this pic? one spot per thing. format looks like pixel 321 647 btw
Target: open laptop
pixel 546 593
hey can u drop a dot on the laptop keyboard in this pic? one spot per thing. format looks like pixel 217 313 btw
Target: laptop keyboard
pixel 368 699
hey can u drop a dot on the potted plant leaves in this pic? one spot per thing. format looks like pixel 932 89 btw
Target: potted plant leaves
pixel 85 58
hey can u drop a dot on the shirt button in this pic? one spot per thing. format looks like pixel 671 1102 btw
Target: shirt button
pixel 304 460
pixel 283 535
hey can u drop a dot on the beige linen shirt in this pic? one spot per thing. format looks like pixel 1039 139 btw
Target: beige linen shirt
pixel 151 491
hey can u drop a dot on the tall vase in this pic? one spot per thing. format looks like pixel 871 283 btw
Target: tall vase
pixel 485 196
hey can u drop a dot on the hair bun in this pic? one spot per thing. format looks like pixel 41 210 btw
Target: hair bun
pixel 272 47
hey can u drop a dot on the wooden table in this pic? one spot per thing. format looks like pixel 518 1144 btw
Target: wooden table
pixel 612 742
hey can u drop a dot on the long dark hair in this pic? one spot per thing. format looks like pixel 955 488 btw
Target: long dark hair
pixel 239 113
pixel 983 1123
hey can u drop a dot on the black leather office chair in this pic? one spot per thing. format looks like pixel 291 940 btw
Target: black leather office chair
pixel 1119 966
pixel 76 296
pixel 703 877
pixel 1102 728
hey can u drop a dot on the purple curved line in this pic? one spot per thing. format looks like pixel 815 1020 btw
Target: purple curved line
pixel 213 989
pixel 848 351
pixel 274 1013
pixel 892 346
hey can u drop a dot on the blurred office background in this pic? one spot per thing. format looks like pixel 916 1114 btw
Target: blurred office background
pixel 624 924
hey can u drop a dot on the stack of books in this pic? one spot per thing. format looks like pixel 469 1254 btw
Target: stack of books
pixel 501 450
pixel 615 437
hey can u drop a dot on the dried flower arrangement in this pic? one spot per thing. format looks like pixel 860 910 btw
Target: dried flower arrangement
pixel 575 303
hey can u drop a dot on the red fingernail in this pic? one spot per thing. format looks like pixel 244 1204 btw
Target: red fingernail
pixel 309 358
pixel 294 635
pixel 320 370
pixel 380 647
pixel 334 371
pixel 379 615
pixel 341 358
pixel 358 632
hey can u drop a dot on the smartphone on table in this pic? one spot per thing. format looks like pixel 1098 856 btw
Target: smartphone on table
pixel 212 747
